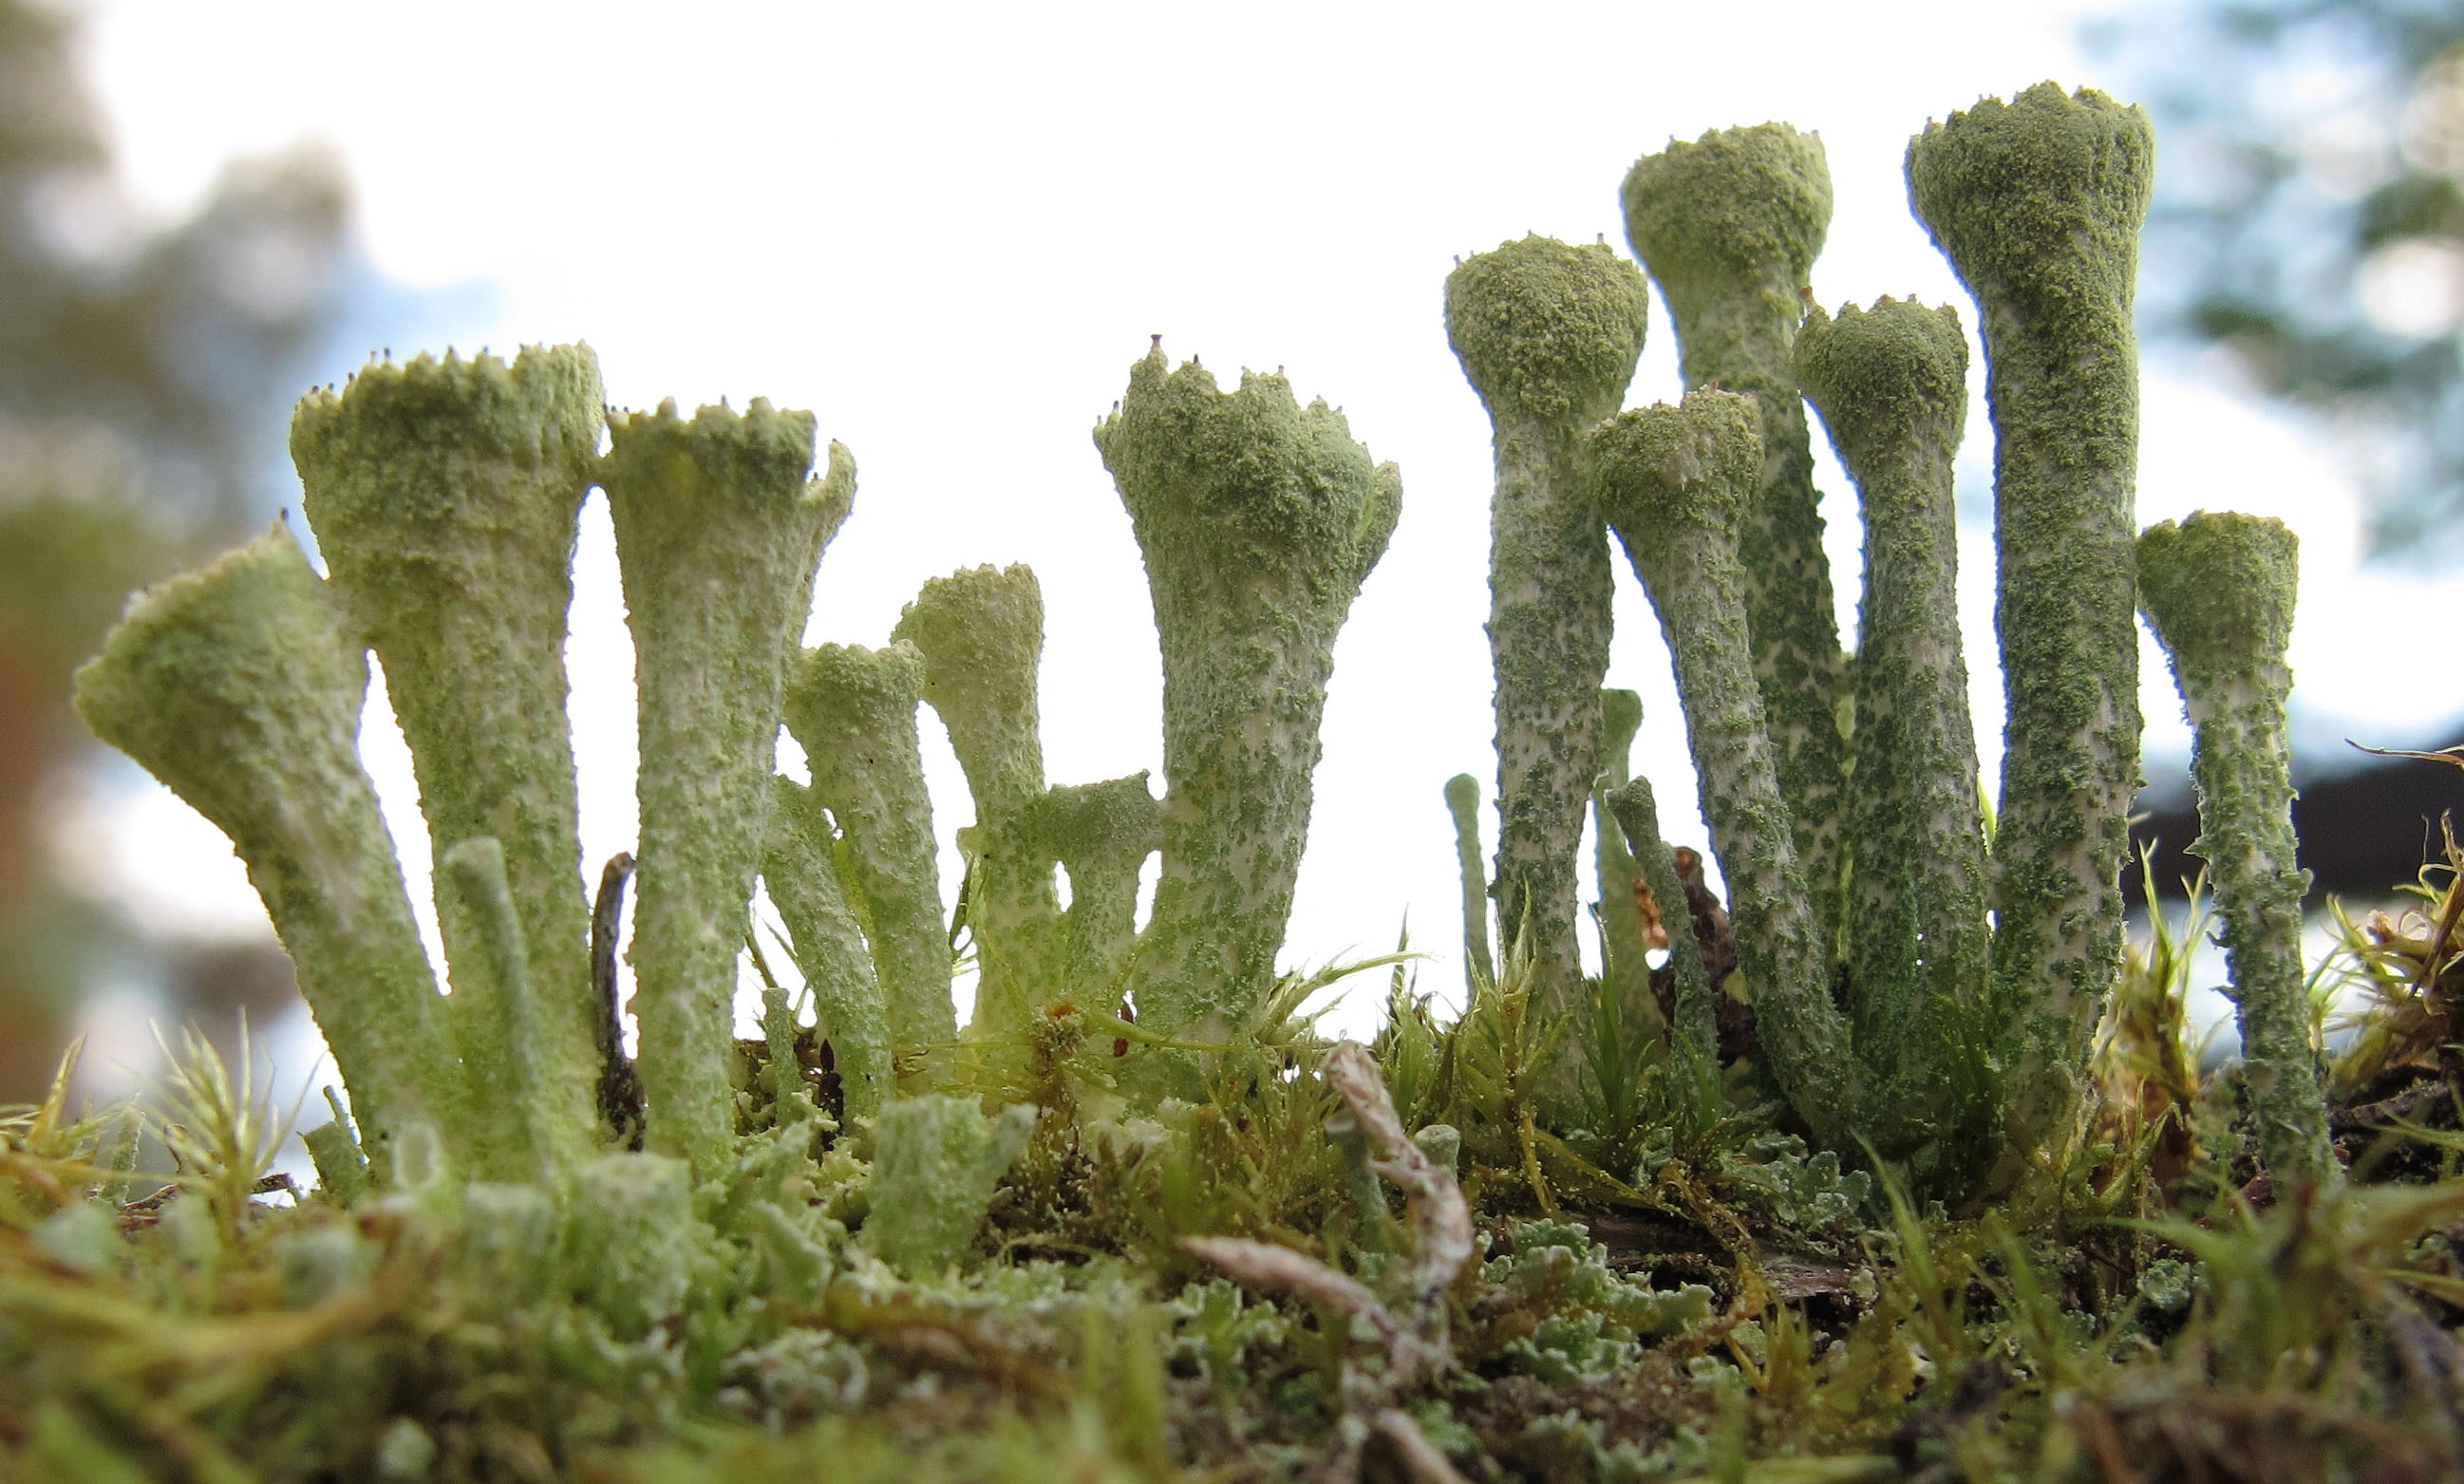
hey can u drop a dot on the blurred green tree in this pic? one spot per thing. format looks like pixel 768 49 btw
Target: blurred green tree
pixel 142 373
pixel 2309 219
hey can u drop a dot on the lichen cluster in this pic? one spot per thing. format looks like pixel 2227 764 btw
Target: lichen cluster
pixel 1844 1186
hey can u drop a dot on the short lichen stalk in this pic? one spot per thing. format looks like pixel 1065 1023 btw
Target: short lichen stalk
pixel 1259 521
pixel 853 709
pixel 718 535
pixel 1623 937
pixel 801 875
pixel 240 686
pixel 2219 590
pixel 1102 834
pixel 2037 204
pixel 980 632
pixel 1463 803
pixel 1675 484
pixel 1693 1029
pixel 1548 334
pixel 446 497
pixel 1891 385
pixel 497 1025
pixel 1729 226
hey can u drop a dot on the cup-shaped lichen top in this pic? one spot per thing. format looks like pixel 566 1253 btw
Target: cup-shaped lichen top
pixel 1259 519
pixel 2219 590
pixel 718 535
pixel 1548 334
pixel 1730 226
pixel 1675 484
pixel 446 495
pixel 853 709
pixel 982 633
pixel 2037 204
pixel 1891 385
pixel 240 686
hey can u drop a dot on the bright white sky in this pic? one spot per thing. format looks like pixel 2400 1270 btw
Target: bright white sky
pixel 950 228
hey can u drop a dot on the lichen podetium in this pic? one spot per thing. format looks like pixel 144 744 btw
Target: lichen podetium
pixel 445 497
pixel 239 687
pixel 718 535
pixel 2037 204
pixel 1729 226
pixel 1259 519
pixel 1548 334
pixel 1891 383
pixel 1675 484
pixel 2219 590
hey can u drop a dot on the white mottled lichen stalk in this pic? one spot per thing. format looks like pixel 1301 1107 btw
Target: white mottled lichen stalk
pixel 1729 226
pixel 2037 204
pixel 445 497
pixel 1891 385
pixel 801 875
pixel 1675 484
pixel 718 535
pixel 853 708
pixel 1103 833
pixel 2219 590
pixel 980 632
pixel 1548 334
pixel 1259 519
pixel 240 688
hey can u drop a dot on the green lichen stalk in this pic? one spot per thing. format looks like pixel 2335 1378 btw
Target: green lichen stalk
pixel 1463 802
pixel 1694 1032
pixel 2219 589
pixel 853 709
pixel 936 1163
pixel 982 633
pixel 445 495
pixel 1729 226
pixel 801 875
pixel 1102 832
pixel 1259 521
pixel 718 535
pixel 1620 915
pixel 1548 334
pixel 496 1021
pixel 1891 385
pixel 240 688
pixel 2037 204
pixel 1675 483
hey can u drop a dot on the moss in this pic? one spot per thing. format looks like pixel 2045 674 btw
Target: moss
pixel 445 497
pixel 717 535
pixel 1259 521
pixel 240 686
pixel 2037 204
pixel 1729 226
pixel 1548 334
pixel 2218 589
pixel 853 709
pixel 1675 483
pixel 1891 385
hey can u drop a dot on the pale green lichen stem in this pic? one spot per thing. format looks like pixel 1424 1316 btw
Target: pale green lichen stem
pixel 496 1021
pixel 718 535
pixel 1891 385
pixel 981 632
pixel 803 880
pixel 853 708
pixel 1548 334
pixel 2037 204
pixel 1259 521
pixel 1729 226
pixel 240 686
pixel 1462 801
pixel 446 497
pixel 1103 833
pixel 1623 938
pixel 2219 591
pixel 1694 1031
pixel 1675 484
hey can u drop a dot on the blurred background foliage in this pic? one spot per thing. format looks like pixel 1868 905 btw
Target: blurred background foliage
pixel 145 374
